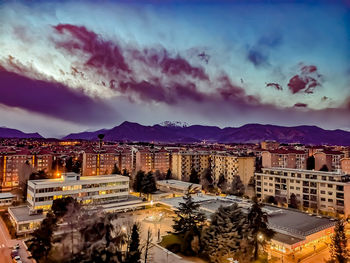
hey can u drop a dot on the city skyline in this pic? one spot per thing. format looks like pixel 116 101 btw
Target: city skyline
pixel 71 66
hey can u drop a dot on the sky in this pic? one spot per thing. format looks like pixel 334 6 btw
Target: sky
pixel 69 66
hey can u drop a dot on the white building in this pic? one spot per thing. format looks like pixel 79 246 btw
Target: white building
pixel 95 190
pixel 177 187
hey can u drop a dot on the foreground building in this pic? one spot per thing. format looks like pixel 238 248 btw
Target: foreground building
pixel 295 230
pixel 325 191
pixel 107 192
pixel 89 190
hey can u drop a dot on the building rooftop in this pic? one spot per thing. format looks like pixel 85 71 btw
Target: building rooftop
pixel 21 214
pixel 6 195
pixel 303 171
pixel 285 221
pixel 71 177
pixel 178 183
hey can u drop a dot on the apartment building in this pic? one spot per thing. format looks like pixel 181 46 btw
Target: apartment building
pixel 100 189
pixel 269 145
pixel 151 160
pixel 293 159
pixel 345 165
pixel 15 164
pixel 232 165
pixel 328 158
pixel 317 190
pixel 99 161
pixel 183 162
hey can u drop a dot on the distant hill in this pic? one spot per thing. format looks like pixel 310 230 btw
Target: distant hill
pixel 13 133
pixel 250 133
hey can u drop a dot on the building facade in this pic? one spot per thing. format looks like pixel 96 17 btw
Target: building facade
pixel 101 189
pixel 293 159
pixel 324 191
pixel 330 159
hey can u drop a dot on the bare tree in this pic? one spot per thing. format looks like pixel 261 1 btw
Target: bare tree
pixel 148 245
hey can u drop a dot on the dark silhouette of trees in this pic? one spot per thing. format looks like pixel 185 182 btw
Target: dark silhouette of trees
pixel 41 242
pixel 134 251
pixel 237 187
pixel 168 175
pixel 188 221
pixel 115 170
pixel 260 231
pixel 194 177
pixel 293 201
pixel 310 163
pixel 228 235
pixel 125 173
pixel 324 168
pixel 338 247
pixel 222 183
pixel 207 180
pixel 144 183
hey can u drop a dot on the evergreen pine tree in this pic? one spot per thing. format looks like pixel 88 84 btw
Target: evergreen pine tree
pixel 339 251
pixel 134 253
pixel 168 175
pixel 228 235
pixel 257 220
pixel 188 217
pixel 237 187
pixel 116 170
pixel 194 178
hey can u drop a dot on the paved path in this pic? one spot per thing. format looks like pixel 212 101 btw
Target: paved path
pixel 6 244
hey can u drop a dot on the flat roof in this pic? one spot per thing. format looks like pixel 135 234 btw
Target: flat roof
pixel 286 239
pixel 303 171
pixel 177 183
pixel 283 220
pixel 21 214
pixel 6 195
pixel 81 178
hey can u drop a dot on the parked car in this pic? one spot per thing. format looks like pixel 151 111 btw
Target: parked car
pixel 14 253
pixel 16 246
pixel 16 259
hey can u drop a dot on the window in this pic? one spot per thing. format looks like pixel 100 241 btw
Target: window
pixel 330 200
pixel 323 192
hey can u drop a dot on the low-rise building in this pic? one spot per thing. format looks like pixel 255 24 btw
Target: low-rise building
pixel 318 190
pixel 6 199
pixel 294 230
pixel 177 187
pixel 87 189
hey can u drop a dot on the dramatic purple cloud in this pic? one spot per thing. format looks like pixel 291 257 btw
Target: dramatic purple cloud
pixel 274 85
pixel 51 98
pixel 300 105
pixel 306 81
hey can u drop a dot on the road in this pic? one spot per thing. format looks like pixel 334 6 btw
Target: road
pixel 6 244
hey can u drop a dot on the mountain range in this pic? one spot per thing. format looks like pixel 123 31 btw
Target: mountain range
pixel 13 133
pixel 249 133
pixel 175 133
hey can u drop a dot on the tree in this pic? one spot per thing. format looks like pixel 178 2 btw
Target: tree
pixel 148 184
pixel 147 245
pixel 228 235
pixel 137 184
pixel 257 220
pixel 194 178
pixel 207 180
pixel 237 187
pixel 125 173
pixel 188 221
pixel 41 242
pixel 168 175
pixel 338 247
pixel 134 253
pixel 324 168
pixel 222 182
pixel 293 201
pixel 310 163
pixel 115 169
